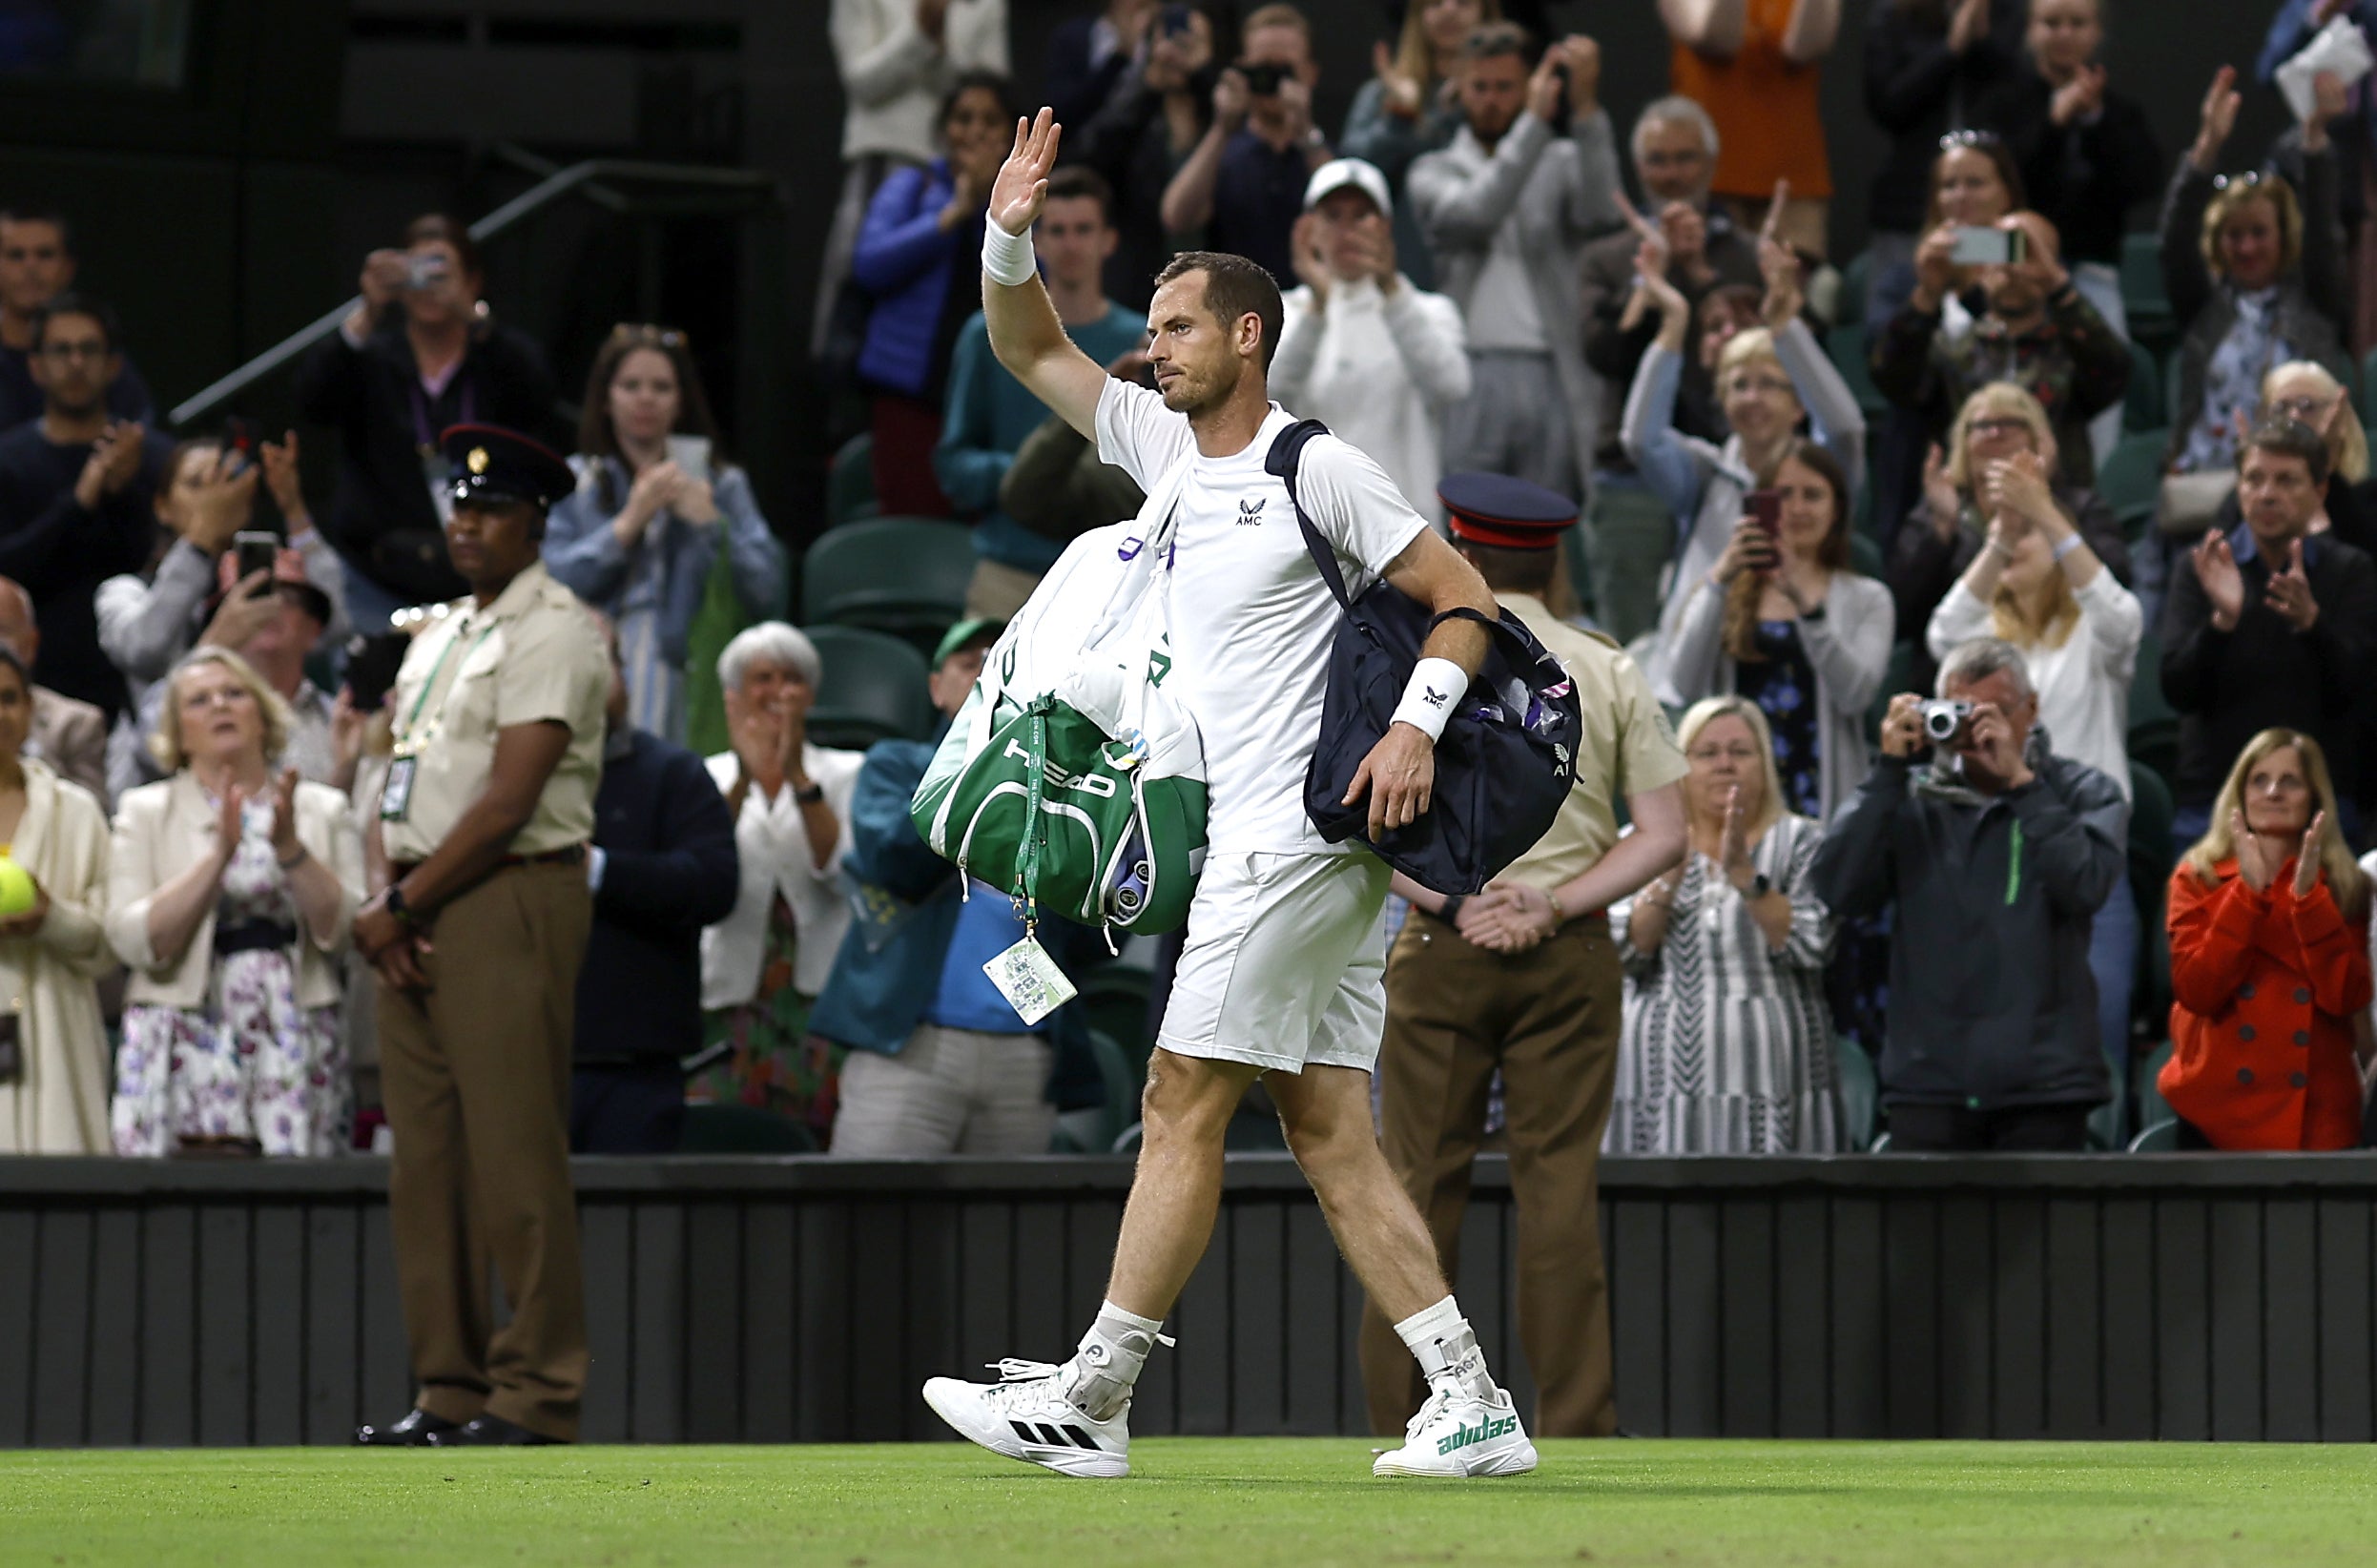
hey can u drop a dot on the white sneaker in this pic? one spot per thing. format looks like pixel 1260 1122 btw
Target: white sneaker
pixel 1458 1434
pixel 1026 1416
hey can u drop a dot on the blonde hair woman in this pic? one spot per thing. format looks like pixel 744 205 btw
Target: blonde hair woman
pixel 1946 532
pixel 231 888
pixel 2305 392
pixel 54 1100
pixel 1726 1047
pixel 2269 961
pixel 1769 380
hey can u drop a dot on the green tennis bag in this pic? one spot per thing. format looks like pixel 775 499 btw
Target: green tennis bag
pixel 1072 780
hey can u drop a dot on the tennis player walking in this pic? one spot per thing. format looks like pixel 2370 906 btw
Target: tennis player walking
pixel 1282 975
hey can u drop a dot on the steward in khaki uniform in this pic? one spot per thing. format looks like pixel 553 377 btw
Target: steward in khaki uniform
pixel 477 929
pixel 1524 977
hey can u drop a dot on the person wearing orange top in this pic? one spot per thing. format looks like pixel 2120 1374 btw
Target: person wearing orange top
pixel 2269 960
pixel 1755 65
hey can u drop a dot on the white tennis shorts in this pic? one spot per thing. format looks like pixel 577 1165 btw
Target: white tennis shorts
pixel 1285 964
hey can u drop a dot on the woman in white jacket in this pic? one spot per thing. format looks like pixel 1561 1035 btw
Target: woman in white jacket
pixel 763 965
pixel 1769 380
pixel 1783 621
pixel 2035 584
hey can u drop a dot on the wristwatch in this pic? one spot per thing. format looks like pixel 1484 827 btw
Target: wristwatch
pixel 393 900
pixel 809 796
pixel 1449 911
pixel 1759 886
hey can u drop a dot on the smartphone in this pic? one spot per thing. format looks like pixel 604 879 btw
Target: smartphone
pixel 254 550
pixel 424 272
pixel 1764 507
pixel 691 455
pixel 371 665
pixel 1989 247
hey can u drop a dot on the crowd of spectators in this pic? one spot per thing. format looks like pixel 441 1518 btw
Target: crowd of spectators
pixel 1815 486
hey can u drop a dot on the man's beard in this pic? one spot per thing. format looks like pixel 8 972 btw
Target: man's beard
pixel 1196 398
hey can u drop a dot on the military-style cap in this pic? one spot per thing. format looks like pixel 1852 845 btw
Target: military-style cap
pixel 491 463
pixel 1506 513
pixel 977 628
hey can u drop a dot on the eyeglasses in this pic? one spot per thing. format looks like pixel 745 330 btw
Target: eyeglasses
pixel 1956 139
pixel 2007 427
pixel 646 335
pixel 93 350
pixel 2304 409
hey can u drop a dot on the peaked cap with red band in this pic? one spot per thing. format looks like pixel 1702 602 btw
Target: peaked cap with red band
pixel 1506 513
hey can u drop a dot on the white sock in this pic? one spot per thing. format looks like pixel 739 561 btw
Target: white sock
pixel 1446 1348
pixel 1100 1377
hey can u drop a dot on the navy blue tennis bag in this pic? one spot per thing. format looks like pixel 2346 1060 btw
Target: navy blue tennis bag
pixel 1508 755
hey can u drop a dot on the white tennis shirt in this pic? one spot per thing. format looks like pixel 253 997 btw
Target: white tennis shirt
pixel 1252 621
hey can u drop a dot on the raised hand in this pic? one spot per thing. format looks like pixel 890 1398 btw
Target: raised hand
pixel 2289 592
pixel 1902 725
pixel 1022 185
pixel 2307 866
pixel 1583 58
pixel 1779 265
pixel 285 834
pixel 2017 486
pixel 1543 86
pixel 1650 270
pixel 1751 548
pixel 2328 103
pixel 1939 494
pixel 1968 25
pixel 247 608
pixel 282 479
pixel 2080 97
pixel 2253 857
pixel 2217 118
pixel 1233 99
pixel 385 273
pixel 2224 585
pixel 1935 268
pixel 1401 96
pixel 1733 845
pixel 230 824
pixel 1686 233
pixel 1310 258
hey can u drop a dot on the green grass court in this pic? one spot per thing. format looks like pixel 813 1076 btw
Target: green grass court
pixel 1243 1503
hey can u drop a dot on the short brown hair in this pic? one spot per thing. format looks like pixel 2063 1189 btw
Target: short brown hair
pixel 2287 438
pixel 1079 182
pixel 1509 571
pixel 1277 15
pixel 1234 287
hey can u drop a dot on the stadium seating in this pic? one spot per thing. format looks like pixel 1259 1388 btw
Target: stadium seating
pixel 903 575
pixel 873 688
pixel 2130 481
pixel 850 487
pixel 2141 407
pixel 1861 1094
pixel 1093 1131
pixel 2146 1084
pixel 1847 345
pixel 743 1129
pixel 1856 278
pixel 2153 722
pixel 2143 297
pixel 2161 1138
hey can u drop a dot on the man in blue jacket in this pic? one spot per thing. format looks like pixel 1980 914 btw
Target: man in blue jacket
pixel 662 866
pixel 939 1062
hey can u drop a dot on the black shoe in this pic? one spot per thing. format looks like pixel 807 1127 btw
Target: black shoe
pixel 418 1430
pixel 490 1431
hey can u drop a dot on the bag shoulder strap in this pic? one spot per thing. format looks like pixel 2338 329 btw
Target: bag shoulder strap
pixel 1286 457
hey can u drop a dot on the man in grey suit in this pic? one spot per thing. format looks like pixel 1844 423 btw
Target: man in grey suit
pixel 68 734
pixel 1507 209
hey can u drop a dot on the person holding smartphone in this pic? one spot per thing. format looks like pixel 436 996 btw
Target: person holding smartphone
pixel 654 505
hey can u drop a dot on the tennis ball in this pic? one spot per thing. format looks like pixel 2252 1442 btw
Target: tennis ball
pixel 16 888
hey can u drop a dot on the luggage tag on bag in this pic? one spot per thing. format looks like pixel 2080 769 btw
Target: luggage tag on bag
pixel 1030 980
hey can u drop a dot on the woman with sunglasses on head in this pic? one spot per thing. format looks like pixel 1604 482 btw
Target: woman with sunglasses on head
pixel 2255 278
pixel 2308 392
pixel 655 502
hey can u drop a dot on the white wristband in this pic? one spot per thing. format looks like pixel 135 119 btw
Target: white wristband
pixel 1007 258
pixel 1428 697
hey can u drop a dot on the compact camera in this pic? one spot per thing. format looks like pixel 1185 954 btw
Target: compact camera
pixel 1263 80
pixel 1944 720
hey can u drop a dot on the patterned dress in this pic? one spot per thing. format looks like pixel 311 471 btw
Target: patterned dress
pixel 1726 1047
pixel 249 1062
pixel 773 1063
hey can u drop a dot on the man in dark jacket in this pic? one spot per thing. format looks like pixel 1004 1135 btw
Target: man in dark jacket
pixel 1994 860
pixel 2269 624
pixel 662 866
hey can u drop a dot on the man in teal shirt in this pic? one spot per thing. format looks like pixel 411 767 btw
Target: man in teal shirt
pixel 989 413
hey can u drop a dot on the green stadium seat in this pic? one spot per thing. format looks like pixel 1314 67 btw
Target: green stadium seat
pixel 2142 407
pixel 1845 344
pixel 2130 480
pixel 1894 679
pixel 2151 1108
pixel 1861 1094
pixel 850 485
pixel 1115 998
pixel 873 688
pixel 1865 554
pixel 2153 722
pixel 903 575
pixel 1856 278
pixel 1093 1131
pixel 743 1129
pixel 2161 1138
pixel 2142 297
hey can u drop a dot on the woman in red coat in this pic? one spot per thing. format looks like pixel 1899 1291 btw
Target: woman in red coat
pixel 2269 960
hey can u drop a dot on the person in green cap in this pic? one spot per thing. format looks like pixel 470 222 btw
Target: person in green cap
pixel 939 1062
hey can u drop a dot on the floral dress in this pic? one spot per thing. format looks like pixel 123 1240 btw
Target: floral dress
pixel 772 1062
pixel 249 1063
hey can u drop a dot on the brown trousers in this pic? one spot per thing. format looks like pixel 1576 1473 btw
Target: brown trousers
pixel 476 1077
pixel 1548 1018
